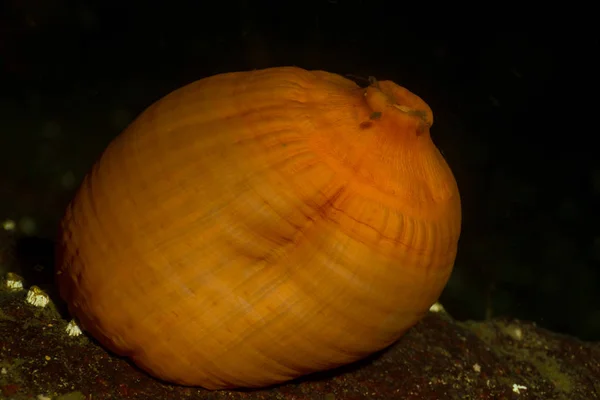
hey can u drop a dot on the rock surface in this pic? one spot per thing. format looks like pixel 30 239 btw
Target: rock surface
pixel 439 358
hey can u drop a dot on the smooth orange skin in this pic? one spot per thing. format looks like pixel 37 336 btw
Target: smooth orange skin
pixel 253 227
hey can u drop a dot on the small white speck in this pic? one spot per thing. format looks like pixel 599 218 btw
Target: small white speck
pixel 9 225
pixel 37 297
pixel 14 281
pixel 437 307
pixel 476 367
pixel 73 329
pixel 517 388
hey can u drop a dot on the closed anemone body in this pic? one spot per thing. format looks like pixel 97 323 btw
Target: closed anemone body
pixel 254 227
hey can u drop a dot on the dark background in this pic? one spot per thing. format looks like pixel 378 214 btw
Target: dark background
pixel 514 116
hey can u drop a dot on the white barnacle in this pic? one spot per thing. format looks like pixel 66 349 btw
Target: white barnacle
pixel 14 281
pixel 73 329
pixel 517 388
pixel 37 297
pixel 437 307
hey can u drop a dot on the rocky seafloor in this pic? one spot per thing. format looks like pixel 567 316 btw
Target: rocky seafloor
pixel 440 358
